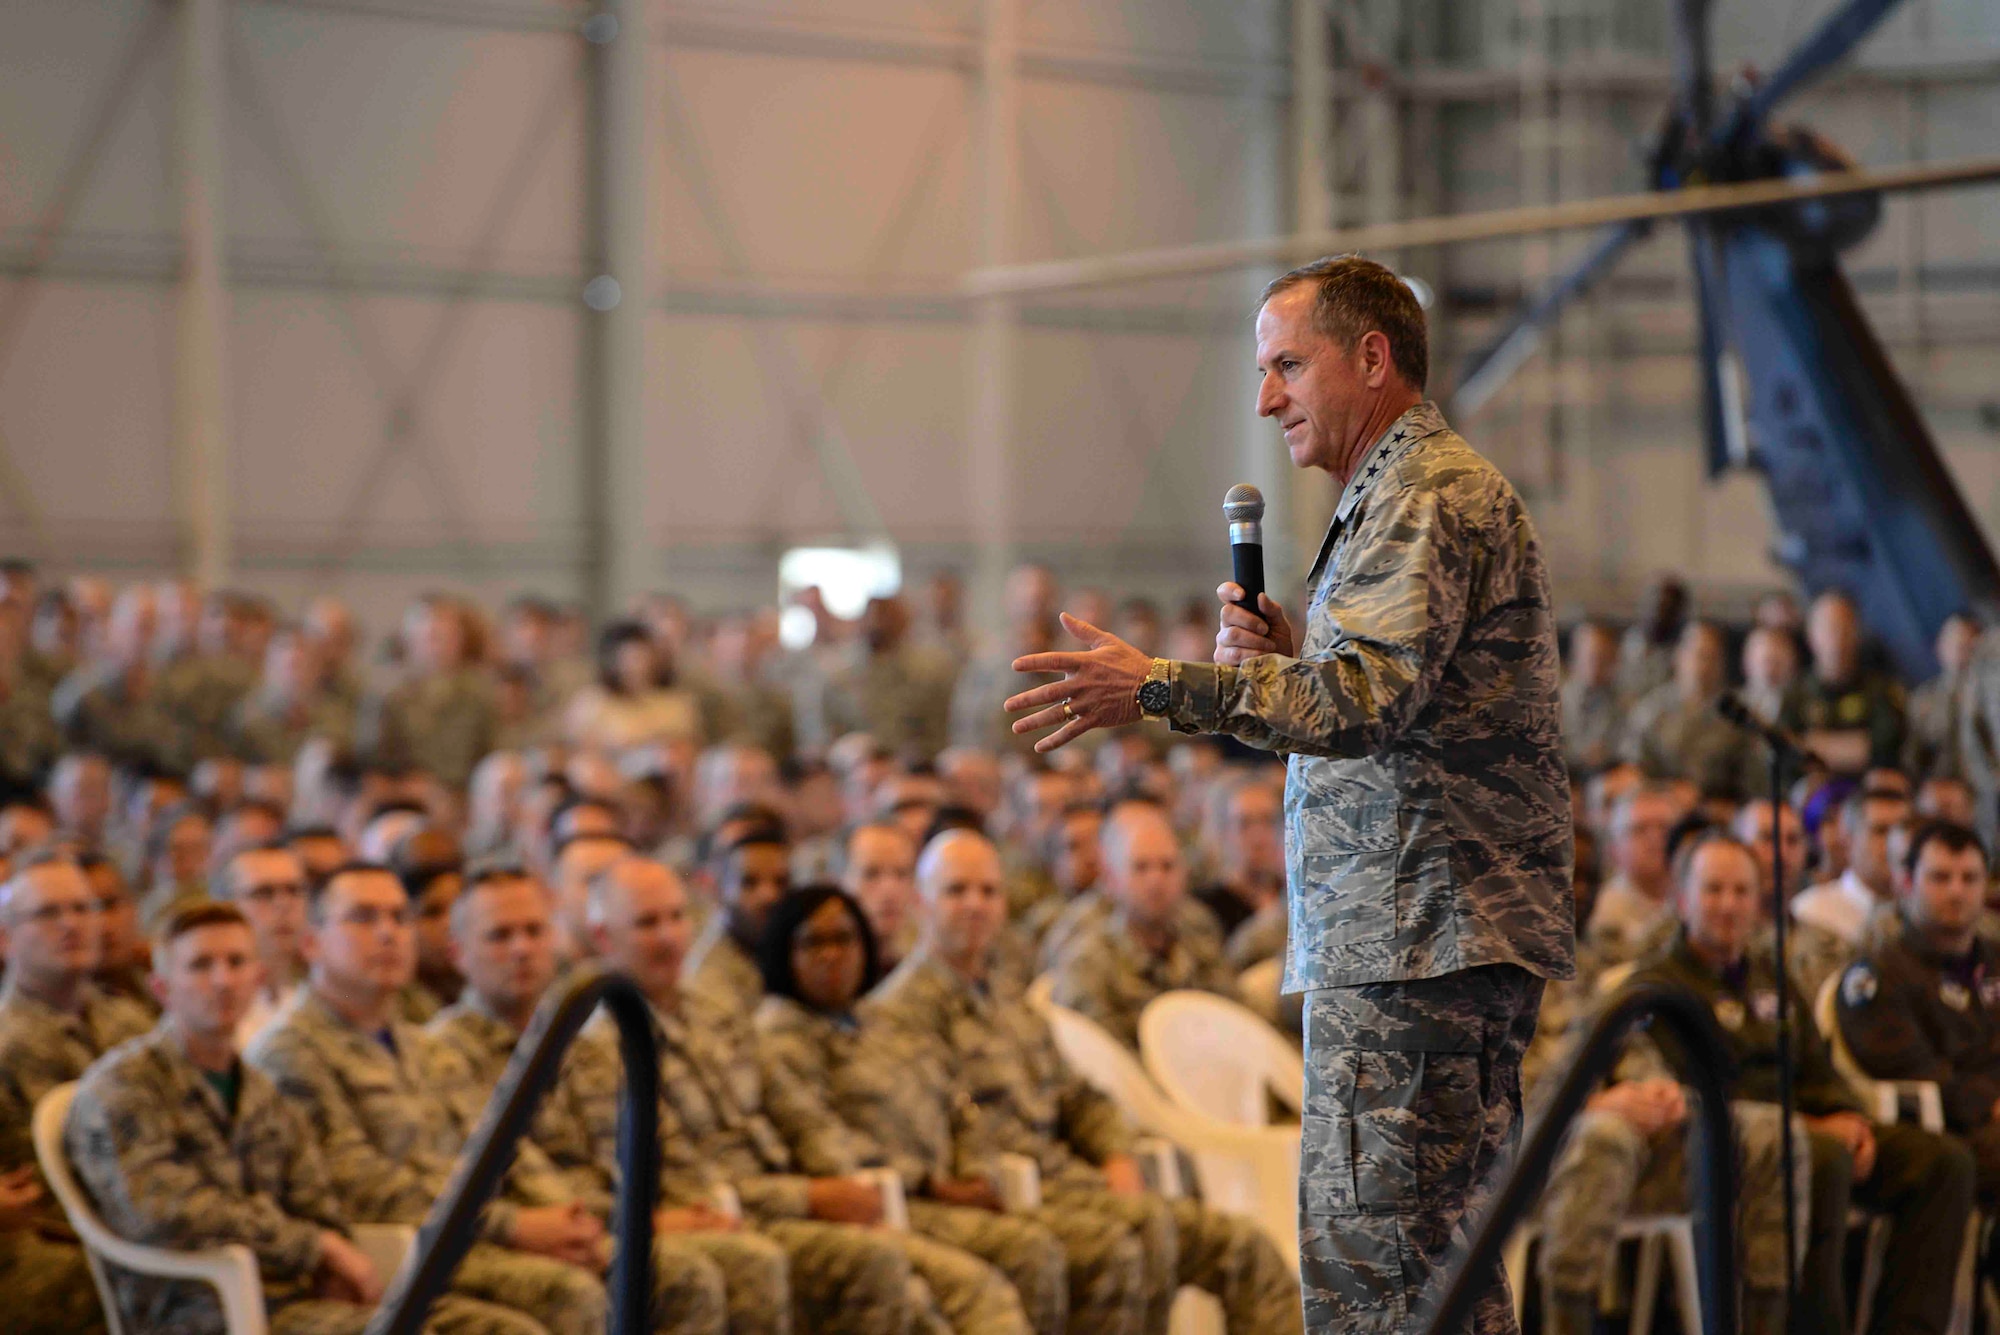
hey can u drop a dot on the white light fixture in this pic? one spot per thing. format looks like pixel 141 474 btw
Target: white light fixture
pixel 846 577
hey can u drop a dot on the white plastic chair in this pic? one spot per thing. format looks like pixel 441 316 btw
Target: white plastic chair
pixel 1215 1056
pixel 1260 985
pixel 231 1270
pixel 1247 1170
pixel 1668 1236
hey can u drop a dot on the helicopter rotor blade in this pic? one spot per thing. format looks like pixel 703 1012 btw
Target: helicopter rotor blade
pixel 1488 369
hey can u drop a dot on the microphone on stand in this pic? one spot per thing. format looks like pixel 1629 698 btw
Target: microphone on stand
pixel 1736 710
pixel 1243 507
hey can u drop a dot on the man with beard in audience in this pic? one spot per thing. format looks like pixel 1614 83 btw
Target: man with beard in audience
pixel 753 870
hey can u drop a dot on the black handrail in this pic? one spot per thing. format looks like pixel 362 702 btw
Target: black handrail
pixel 1704 1057
pixel 453 1224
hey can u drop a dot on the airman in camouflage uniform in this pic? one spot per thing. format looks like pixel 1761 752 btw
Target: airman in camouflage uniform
pixel 1427 801
pixel 814 1065
pixel 718 1139
pixel 706 1276
pixel 690 1292
pixel 440 724
pixel 203 690
pixel 288 706
pixel 752 873
pixel 1010 1092
pixel 119 712
pixel 1025 1100
pixel 381 1101
pixel 53 1025
pixel 1109 969
pixel 898 692
pixel 383 1116
pixel 169 1165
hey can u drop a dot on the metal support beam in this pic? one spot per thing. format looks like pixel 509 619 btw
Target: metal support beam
pixel 618 561
pixel 990 433
pixel 1305 503
pixel 201 334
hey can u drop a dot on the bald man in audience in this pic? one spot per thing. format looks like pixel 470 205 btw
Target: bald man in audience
pixel 718 1142
pixel 576 862
pixel 503 940
pixel 1118 962
pixel 946 1010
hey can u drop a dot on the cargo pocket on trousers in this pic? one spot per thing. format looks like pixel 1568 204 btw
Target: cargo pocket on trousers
pixel 1395 1132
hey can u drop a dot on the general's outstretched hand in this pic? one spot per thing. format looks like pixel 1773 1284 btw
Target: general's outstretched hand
pixel 1099 689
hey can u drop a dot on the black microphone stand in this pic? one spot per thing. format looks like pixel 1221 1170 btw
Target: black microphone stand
pixel 1778 745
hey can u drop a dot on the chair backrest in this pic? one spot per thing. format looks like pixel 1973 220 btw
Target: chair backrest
pixel 1216 1056
pixel 50 1114
pixel 231 1270
pixel 1110 1068
pixel 1260 985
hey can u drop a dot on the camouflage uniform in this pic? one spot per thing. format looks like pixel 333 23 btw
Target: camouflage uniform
pixel 690 1293
pixel 384 1116
pixel 266 730
pixel 1427 834
pixel 1671 737
pixel 97 711
pixel 721 970
pixel 1012 1093
pixel 815 1061
pixel 169 1166
pixel 977 716
pixel 1104 973
pixel 1089 911
pixel 1931 749
pixel 1593 723
pixel 443 724
pixel 902 697
pixel 29 741
pixel 1607 1171
pixel 715 1133
pixel 202 691
pixel 42 1270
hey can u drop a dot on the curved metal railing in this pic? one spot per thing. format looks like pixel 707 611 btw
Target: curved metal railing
pixel 452 1226
pixel 1704 1059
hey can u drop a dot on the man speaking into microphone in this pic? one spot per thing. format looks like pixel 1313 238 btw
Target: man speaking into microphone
pixel 1427 811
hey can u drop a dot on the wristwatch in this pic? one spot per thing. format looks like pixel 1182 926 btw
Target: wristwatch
pixel 1156 692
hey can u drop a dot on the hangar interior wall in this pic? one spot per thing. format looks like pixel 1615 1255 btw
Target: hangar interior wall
pixel 411 219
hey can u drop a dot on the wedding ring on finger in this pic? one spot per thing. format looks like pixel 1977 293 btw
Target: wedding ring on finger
pixel 1069 711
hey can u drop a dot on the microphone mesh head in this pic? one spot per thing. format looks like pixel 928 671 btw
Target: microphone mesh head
pixel 1243 504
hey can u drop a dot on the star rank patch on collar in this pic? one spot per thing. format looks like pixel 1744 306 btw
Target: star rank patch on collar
pixel 1859 985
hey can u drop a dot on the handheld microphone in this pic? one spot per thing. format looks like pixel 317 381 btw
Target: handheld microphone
pixel 1243 507
pixel 1733 708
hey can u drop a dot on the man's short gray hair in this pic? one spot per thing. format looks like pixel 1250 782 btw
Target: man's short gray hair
pixel 1357 295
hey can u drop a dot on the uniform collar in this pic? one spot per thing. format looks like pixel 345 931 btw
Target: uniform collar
pixel 1421 420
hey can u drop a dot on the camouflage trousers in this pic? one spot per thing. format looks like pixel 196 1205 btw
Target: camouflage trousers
pixel 844 1280
pixel 1020 1248
pixel 757 1291
pixel 966 1295
pixel 1607 1171
pixel 1412 1101
pixel 47 1286
pixel 1183 1242
pixel 563 1299
pixel 451 1314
